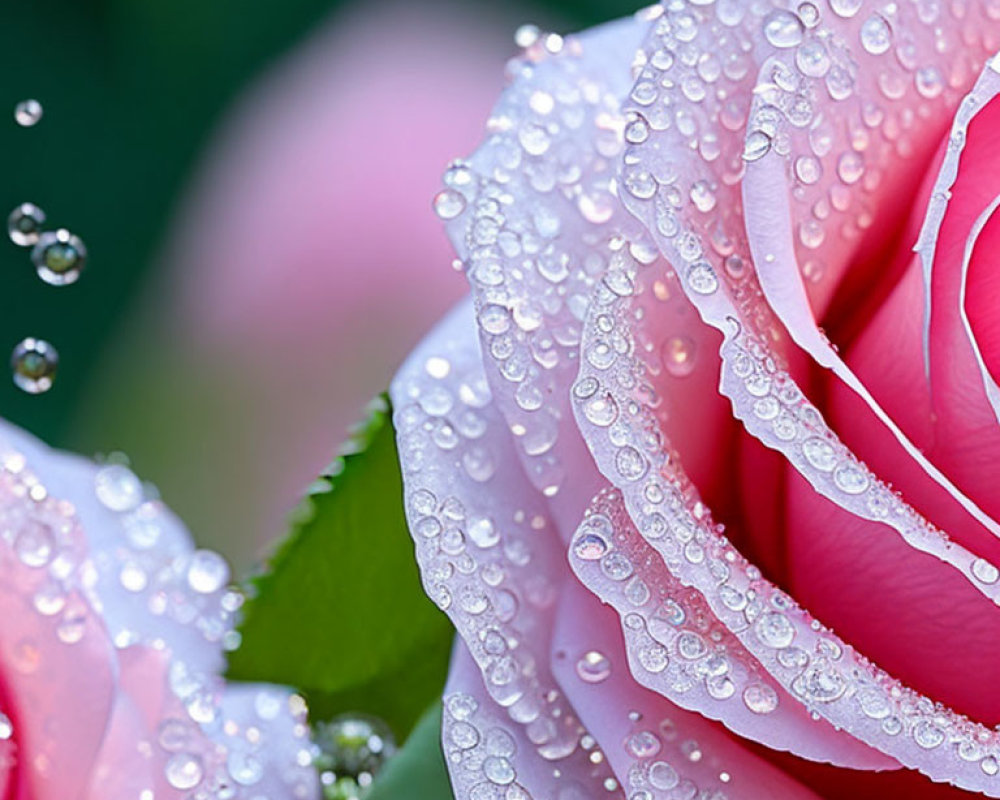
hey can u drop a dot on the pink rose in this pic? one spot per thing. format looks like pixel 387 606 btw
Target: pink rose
pixel 705 473
pixel 112 642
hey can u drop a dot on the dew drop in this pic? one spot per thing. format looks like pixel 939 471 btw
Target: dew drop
pixel 783 29
pixel 701 278
pixel 774 630
pixel 593 667
pixel 59 257
pixel 756 146
pixel 118 488
pixel 875 35
pixel 245 768
pixel 24 225
pixel 642 744
pixel 28 113
pixel 850 167
pixel 34 544
pixel 760 699
pixel 34 363
pixel 6 727
pixel 663 776
pixel 846 8
pixel 984 571
pixel 354 745
pixel 449 203
pixel 208 571
pixel 184 771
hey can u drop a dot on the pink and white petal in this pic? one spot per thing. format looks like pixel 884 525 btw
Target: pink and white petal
pixel 145 614
pixel 534 216
pixel 489 549
pixel 491 757
pixel 676 648
pixel 657 749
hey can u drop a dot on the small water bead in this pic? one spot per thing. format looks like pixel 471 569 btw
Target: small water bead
pixel 34 544
pixel 984 571
pixel 24 225
pixel 850 167
pixel 820 453
pixel 678 356
pixel 760 699
pixel 118 488
pixel 59 257
pixel 783 29
pixel 774 630
pixel 526 35
pixel 6 727
pixel 34 363
pixel 702 279
pixel 593 667
pixel 28 113
pixel 642 744
pixel 184 771
pixel 875 35
pixel 449 203
pixel 499 770
pixel 207 571
pixel 809 14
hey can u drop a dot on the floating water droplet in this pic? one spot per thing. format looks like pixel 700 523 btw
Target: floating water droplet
pixel 184 771
pixel 59 257
pixel 117 487
pixel 783 29
pixel 28 113
pixel 34 363
pixel 208 571
pixel 355 746
pixel 24 225
pixel 449 203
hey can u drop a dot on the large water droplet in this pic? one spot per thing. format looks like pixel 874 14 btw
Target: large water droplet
pixel 449 203
pixel 28 113
pixel 208 571
pixel 760 699
pixel 354 746
pixel 783 29
pixel 875 35
pixel 117 487
pixel 34 363
pixel 24 225
pixel 59 257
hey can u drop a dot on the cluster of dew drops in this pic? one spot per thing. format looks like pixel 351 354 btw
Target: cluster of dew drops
pixel 59 257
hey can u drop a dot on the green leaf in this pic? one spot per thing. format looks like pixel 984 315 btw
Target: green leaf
pixel 418 771
pixel 340 613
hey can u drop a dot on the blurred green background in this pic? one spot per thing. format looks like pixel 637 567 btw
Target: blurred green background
pixel 132 91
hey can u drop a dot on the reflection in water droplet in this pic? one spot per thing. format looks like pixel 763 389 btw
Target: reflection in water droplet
pixel 593 667
pixel 24 225
pixel 449 203
pixel 208 571
pixel 678 356
pixel 34 363
pixel 59 257
pixel 28 113
pixel 353 747
pixel 184 771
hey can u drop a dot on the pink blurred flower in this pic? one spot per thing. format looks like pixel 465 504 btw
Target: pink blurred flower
pixel 306 259
pixel 112 642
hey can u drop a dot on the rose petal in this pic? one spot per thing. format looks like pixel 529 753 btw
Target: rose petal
pixel 676 649
pixel 653 745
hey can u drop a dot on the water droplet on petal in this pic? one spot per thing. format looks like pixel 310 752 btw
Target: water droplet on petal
pixel 59 257
pixel 875 35
pixel 593 667
pixel 760 699
pixel 118 488
pixel 24 225
pixel 184 771
pixel 208 571
pixel 984 571
pixel 783 29
pixel 449 203
pixel 34 363
pixel 678 356
pixel 756 146
pixel 28 113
